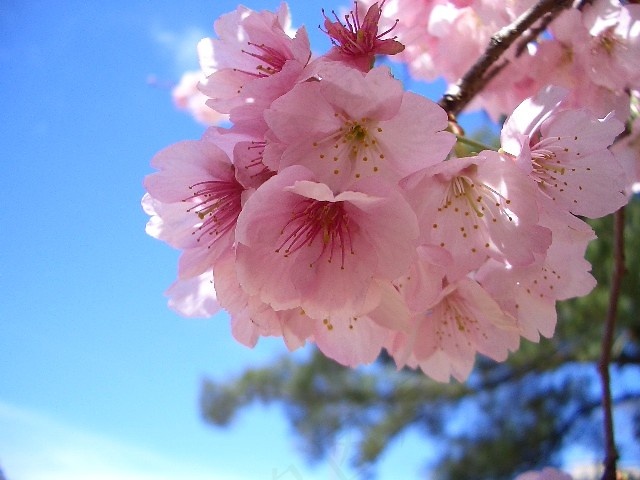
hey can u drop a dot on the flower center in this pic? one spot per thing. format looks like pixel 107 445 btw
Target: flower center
pixel 356 132
pixel 468 209
pixel 352 149
pixel 272 59
pixel 607 41
pixel 544 171
pixel 464 188
pixel 325 224
pixel 217 204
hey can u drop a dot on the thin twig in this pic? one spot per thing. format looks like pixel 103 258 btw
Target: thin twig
pixel 611 453
pixel 476 77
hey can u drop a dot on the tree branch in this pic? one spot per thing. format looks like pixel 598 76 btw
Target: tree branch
pixel 611 453
pixel 478 75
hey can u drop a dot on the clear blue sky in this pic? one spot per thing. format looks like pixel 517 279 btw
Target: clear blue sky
pixel 98 378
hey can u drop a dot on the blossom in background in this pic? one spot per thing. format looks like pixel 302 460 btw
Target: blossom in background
pixel 592 51
pixel 187 96
pixel 627 149
pixel 612 52
pixel 547 473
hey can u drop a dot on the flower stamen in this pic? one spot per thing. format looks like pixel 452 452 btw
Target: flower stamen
pixel 314 219
pixel 217 204
pixel 273 60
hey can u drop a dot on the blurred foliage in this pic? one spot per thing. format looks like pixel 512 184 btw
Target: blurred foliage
pixel 508 417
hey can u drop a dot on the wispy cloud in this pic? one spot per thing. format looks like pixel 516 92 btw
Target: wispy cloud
pixel 34 446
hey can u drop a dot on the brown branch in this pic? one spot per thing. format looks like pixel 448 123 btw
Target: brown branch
pixel 611 453
pixel 535 32
pixel 583 3
pixel 477 76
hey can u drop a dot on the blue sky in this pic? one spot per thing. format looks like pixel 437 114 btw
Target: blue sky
pixel 98 378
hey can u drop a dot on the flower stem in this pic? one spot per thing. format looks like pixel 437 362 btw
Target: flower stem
pixel 473 143
pixel 480 73
pixel 611 453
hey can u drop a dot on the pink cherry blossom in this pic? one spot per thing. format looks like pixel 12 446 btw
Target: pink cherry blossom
pixel 246 147
pixel 565 152
pixel 252 318
pixel 252 47
pixel 476 208
pixel 299 245
pixel 627 152
pixel 409 20
pixel 444 38
pixel 565 60
pixel 423 282
pixel 530 293
pixel 186 96
pixel 518 291
pixel 358 42
pixel 349 341
pixel 194 297
pixel 462 34
pixel 350 126
pixel 614 47
pixel 547 473
pixel 195 199
pixel 463 321
pixel 248 157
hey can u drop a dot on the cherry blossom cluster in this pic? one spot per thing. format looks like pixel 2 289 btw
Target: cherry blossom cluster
pixel 340 209
pixel 591 50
